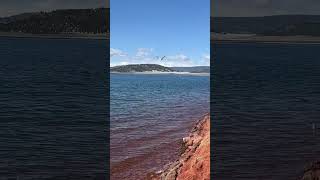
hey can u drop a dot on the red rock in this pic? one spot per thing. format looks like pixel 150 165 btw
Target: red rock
pixel 312 171
pixel 194 162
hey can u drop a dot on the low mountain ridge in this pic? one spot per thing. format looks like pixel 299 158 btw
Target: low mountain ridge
pixel 95 21
pixel 279 25
pixel 141 68
pixel 158 68
pixel 194 69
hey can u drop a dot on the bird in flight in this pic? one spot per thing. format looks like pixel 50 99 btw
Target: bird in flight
pixel 162 58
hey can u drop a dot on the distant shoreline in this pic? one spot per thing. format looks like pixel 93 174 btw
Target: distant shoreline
pixel 159 73
pixel 56 36
pixel 264 39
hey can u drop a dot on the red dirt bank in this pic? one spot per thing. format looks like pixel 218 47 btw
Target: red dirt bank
pixel 194 162
pixel 312 171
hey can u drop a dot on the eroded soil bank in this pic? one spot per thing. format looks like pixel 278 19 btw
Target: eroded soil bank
pixel 194 162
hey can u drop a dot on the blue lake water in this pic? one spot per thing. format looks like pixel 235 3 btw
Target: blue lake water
pixel 53 109
pixel 265 99
pixel 150 114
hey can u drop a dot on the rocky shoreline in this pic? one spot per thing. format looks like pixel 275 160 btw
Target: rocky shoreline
pixel 312 171
pixel 194 161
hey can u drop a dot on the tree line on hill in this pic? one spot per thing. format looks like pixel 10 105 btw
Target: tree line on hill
pixel 93 21
pixel 281 25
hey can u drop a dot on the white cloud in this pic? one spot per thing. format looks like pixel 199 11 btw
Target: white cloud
pixel 117 52
pixel 206 57
pixel 148 56
pixel 179 57
pixel 178 60
pixel 143 52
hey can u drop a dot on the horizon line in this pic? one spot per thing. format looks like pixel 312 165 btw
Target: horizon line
pixel 260 16
pixel 160 65
pixel 52 10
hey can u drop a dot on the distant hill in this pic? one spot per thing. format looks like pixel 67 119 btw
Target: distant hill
pixel 195 69
pixel 22 16
pixel 140 68
pixel 282 25
pixel 60 21
pixel 159 68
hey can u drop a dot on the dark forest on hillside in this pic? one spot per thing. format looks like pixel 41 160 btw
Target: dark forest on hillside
pixel 59 21
pixel 282 25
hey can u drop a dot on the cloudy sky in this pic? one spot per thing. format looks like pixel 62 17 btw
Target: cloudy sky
pixel 177 29
pixel 263 7
pixel 13 7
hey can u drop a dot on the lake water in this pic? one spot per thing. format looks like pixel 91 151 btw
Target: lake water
pixel 150 114
pixel 53 109
pixel 265 99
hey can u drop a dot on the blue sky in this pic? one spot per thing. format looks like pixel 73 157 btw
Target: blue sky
pixel 141 30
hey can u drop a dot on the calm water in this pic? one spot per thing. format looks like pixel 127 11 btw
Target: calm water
pixel 53 109
pixel 149 116
pixel 265 99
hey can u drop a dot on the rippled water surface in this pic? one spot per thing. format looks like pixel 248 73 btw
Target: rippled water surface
pixel 265 99
pixel 53 109
pixel 149 116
